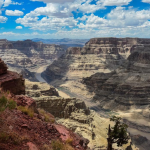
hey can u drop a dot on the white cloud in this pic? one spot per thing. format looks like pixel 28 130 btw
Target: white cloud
pixel 19 27
pixel 6 3
pixel 3 19
pixel 146 1
pixel 119 17
pixel 47 23
pixel 114 2
pixel 54 1
pixel 14 13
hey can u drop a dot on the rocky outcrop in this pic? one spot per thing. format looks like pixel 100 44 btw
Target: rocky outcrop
pixel 3 67
pixel 61 107
pixel 39 89
pixel 11 81
pixel 23 130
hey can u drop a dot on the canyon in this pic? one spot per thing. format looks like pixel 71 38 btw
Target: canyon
pixel 23 125
pixel 109 75
pixel 89 84
pixel 26 56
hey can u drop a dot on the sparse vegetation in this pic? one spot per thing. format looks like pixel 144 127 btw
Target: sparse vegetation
pixel 7 103
pixel 27 111
pixel 58 145
pixel 117 134
pixel 47 117
pixel 69 141
pixel 12 137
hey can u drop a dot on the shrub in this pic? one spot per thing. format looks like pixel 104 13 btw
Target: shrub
pixel 69 141
pixel 47 116
pixel 11 137
pixel 4 137
pixel 27 111
pixel 4 103
pixel 12 104
pixel 57 145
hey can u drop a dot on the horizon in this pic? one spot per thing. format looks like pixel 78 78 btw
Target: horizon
pixel 74 19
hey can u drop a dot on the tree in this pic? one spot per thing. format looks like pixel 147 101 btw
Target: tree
pixel 117 134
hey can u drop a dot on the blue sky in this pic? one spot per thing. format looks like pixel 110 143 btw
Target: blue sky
pixel 77 19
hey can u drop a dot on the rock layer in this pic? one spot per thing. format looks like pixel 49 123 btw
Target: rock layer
pixel 103 65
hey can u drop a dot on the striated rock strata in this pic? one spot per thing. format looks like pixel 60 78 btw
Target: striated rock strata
pixel 20 55
pixel 114 70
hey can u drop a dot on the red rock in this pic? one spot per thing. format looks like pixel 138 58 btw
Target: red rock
pixel 32 146
pixel 23 100
pixel 11 81
pixel 3 67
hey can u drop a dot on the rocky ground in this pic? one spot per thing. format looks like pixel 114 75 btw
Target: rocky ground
pixel 23 126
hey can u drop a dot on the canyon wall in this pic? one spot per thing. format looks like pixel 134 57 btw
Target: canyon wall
pixel 28 54
pixel 112 71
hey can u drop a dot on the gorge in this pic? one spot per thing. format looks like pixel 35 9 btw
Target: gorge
pixel 108 76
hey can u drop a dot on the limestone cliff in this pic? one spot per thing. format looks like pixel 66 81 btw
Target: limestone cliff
pixel 28 54
pixel 126 87
pixel 110 75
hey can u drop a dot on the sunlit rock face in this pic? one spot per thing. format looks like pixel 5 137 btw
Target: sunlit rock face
pixel 28 54
pixel 115 71
pixel 127 86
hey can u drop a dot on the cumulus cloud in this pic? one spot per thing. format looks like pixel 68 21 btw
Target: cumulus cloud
pixel 3 19
pixel 54 1
pixel 119 17
pixel 146 1
pixel 19 27
pixel 6 3
pixel 14 13
pixel 114 2
pixel 47 23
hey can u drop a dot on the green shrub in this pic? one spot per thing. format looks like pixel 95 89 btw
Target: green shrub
pixel 27 111
pixel 12 104
pixel 47 117
pixel 57 145
pixel 11 137
pixel 4 103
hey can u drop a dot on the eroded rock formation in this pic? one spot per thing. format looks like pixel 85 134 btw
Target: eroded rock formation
pixel 28 54
pixel 11 81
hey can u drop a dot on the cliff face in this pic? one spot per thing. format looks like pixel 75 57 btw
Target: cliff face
pixel 126 87
pixel 111 77
pixel 28 54
pixel 98 55
pixel 11 81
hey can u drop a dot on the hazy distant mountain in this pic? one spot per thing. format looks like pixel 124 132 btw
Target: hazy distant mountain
pixel 64 42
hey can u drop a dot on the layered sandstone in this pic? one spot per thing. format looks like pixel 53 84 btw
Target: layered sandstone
pixel 27 54
pixel 38 89
pixel 126 87
pixel 11 81
pixel 109 76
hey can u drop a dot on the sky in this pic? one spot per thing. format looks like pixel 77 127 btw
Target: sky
pixel 76 19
